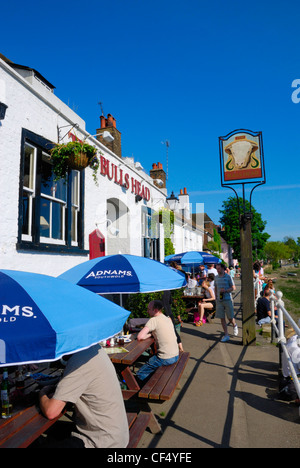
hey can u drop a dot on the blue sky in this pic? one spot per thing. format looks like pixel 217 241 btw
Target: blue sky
pixel 187 72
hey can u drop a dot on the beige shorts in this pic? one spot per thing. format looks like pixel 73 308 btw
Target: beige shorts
pixel 224 308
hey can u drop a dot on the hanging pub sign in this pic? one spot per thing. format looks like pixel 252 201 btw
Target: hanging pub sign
pixel 241 157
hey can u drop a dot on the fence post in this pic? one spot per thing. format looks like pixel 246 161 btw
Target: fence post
pixel 280 305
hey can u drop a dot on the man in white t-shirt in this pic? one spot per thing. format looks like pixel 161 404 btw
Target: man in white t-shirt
pixel 211 269
pixel 163 331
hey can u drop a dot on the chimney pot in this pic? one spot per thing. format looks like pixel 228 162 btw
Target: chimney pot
pixel 103 121
pixel 110 122
pixel 185 192
pixel 154 166
pixel 181 192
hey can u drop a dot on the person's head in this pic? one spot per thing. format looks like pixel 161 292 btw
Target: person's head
pixel 267 292
pixel 256 266
pixel 154 307
pixel 175 265
pixel 205 284
pixel 210 266
pixel 211 277
pixel 221 268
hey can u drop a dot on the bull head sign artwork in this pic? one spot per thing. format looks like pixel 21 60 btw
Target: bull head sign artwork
pixel 241 157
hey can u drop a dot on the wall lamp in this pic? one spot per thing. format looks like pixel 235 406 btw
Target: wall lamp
pixel 106 136
pixel 172 202
pixel 3 108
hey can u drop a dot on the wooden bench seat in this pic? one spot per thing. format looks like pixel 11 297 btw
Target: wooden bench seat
pixel 137 424
pixel 164 381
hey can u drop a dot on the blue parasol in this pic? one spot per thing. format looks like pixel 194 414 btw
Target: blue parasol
pixel 43 318
pixel 193 258
pixel 124 274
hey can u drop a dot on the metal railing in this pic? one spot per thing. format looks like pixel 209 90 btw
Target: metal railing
pixel 279 328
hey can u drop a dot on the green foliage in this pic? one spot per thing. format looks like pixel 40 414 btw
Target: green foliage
pixel 293 246
pixel 169 247
pixel 166 218
pixel 230 221
pixel 61 153
pixel 290 287
pixel 137 304
pixel 276 251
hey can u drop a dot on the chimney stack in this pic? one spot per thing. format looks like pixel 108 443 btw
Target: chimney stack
pixel 157 172
pixel 184 203
pixel 109 125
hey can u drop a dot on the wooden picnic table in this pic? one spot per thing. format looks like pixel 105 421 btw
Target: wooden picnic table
pixel 27 422
pixel 160 387
pixel 124 361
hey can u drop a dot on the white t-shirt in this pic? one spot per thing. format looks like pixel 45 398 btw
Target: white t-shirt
pixel 212 270
pixel 163 331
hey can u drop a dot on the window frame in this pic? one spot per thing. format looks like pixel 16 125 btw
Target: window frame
pixel 36 241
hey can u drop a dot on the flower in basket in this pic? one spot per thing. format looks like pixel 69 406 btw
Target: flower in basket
pixel 75 155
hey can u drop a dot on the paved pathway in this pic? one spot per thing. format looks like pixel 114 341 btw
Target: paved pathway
pixel 228 396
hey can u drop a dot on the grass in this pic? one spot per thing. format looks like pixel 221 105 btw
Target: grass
pixel 290 288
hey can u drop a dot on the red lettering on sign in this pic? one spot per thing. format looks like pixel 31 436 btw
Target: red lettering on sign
pixel 112 171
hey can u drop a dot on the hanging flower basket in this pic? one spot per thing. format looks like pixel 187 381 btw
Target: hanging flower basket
pixel 78 161
pixel 74 155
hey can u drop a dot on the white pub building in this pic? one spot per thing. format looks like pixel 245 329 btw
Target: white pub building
pixel 49 226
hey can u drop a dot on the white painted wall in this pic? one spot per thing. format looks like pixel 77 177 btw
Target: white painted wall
pixel 34 108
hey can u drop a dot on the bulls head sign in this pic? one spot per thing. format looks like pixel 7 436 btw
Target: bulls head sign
pixel 241 156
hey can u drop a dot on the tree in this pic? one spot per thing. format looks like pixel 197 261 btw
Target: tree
pixel 276 251
pixel 230 221
pixel 293 246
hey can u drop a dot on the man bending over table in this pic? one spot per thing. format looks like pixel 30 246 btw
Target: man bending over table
pixel 164 334
pixel 91 383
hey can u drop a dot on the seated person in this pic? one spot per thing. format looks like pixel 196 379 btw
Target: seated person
pixel 202 274
pixel 269 284
pixel 263 308
pixel 164 334
pixel 91 383
pixel 192 282
pixel 207 303
pixel 211 279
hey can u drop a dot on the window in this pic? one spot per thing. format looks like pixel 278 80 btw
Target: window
pixel 150 240
pixel 28 190
pixel 51 211
pixel 53 204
